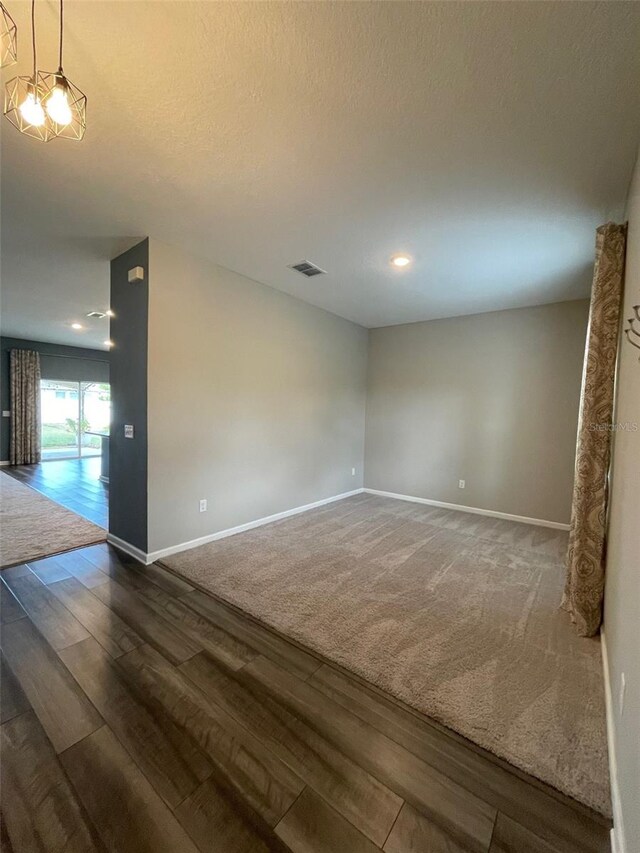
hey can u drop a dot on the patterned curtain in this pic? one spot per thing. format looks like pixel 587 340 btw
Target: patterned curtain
pixel 25 407
pixel 584 586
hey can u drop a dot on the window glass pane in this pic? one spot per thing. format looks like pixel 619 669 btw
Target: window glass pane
pixel 96 416
pixel 59 418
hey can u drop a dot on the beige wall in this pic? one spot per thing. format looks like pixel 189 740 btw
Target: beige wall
pixel 256 399
pixel 491 399
pixel 257 403
pixel 622 595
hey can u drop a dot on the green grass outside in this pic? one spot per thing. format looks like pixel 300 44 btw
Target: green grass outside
pixel 58 435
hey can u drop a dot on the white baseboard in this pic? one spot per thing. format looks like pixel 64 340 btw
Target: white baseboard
pixel 540 522
pixel 231 531
pixel 151 557
pixel 129 549
pixel 618 840
pixel 4 462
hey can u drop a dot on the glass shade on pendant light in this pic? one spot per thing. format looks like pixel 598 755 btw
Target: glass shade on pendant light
pixel 8 39
pixel 65 105
pixel 23 106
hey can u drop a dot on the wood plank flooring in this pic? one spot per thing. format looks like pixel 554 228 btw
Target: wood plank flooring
pixel 141 714
pixel 74 483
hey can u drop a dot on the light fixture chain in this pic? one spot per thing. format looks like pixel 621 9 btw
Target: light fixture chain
pixel 61 33
pixel 33 39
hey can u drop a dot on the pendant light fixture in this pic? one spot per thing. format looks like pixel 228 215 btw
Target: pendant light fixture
pixel 23 99
pixel 64 103
pixel 8 39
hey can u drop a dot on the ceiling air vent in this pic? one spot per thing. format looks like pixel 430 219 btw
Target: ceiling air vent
pixel 307 268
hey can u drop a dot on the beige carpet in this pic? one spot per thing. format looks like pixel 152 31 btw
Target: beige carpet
pixel 33 526
pixel 456 614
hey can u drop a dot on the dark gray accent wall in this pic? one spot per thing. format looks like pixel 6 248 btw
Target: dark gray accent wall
pixel 128 462
pixel 73 364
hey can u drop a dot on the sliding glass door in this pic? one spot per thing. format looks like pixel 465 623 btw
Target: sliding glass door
pixel 59 416
pixel 71 413
pixel 95 408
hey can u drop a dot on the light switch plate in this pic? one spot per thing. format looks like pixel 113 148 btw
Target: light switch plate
pixel 6 414
pixel 128 430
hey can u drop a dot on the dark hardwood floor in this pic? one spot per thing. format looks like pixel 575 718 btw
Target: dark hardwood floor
pixel 142 714
pixel 73 483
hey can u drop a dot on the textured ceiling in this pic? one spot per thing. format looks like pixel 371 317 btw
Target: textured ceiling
pixel 487 140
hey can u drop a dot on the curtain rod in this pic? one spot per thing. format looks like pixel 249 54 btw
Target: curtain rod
pixel 60 355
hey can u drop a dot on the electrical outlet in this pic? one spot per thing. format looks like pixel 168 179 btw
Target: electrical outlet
pixel 203 505
pixel 623 687
pixel 353 472
pixel 461 484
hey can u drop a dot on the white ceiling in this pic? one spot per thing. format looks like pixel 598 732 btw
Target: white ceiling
pixel 487 140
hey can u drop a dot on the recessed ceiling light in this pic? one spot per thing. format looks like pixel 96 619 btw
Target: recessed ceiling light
pixel 76 326
pixel 108 343
pixel 401 260
pixel 110 313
